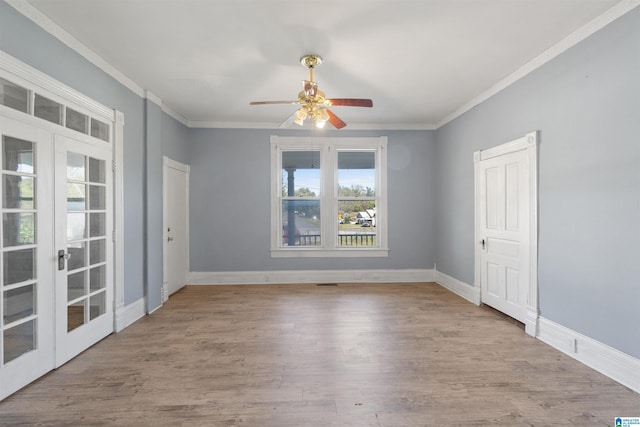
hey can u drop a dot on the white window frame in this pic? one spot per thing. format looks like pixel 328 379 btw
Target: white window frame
pixel 328 148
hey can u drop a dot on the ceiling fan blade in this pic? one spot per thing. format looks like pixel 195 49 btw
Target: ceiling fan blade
pixel 289 120
pixel 351 102
pixel 273 102
pixel 335 120
pixel 310 88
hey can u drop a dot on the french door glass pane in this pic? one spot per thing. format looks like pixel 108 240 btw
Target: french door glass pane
pixel 18 229
pixel 76 286
pixel 17 155
pixel 18 192
pixel 76 226
pixel 18 340
pixel 75 167
pixel 98 224
pixel 75 315
pixel 96 171
pixel 97 198
pixel 97 251
pixel 97 278
pixel 18 266
pixel 19 303
pixel 76 196
pixel 97 305
pixel 77 257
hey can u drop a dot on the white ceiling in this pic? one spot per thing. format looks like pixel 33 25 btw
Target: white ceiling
pixel 420 61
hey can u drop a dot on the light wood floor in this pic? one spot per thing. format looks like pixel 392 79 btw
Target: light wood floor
pixel 303 355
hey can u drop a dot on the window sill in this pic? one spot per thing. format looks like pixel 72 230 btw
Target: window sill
pixel 328 253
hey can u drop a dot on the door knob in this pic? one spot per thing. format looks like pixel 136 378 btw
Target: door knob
pixel 62 257
pixel 169 239
pixel 483 243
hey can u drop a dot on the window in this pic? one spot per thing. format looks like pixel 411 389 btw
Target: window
pixel 328 197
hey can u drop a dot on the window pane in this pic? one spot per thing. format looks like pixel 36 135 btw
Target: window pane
pixel 97 251
pixel 17 192
pixel 14 96
pixel 356 174
pixel 97 305
pixel 301 173
pixel 357 221
pixel 96 170
pixel 75 315
pixel 18 155
pixel 301 219
pixel 77 257
pixel 19 340
pixel 19 303
pixel 75 166
pixel 47 109
pixel 19 229
pixel 76 121
pixel 76 197
pixel 97 278
pixel 98 224
pixel 18 266
pixel 76 226
pixel 99 130
pixel 75 286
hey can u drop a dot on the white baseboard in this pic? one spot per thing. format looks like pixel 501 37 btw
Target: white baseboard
pixel 309 276
pixel 128 314
pixel 458 287
pixel 613 363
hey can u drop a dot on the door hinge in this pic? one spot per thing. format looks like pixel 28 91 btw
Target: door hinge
pixel 113 165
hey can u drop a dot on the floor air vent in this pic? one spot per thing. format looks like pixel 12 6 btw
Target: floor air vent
pixel 327 284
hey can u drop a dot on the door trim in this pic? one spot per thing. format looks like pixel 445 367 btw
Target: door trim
pixel 529 143
pixel 166 164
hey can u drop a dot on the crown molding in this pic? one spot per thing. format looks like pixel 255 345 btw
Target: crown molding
pixel 58 32
pixel 256 125
pixel 565 44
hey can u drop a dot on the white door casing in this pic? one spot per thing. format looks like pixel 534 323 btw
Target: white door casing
pixel 506 229
pixel 176 225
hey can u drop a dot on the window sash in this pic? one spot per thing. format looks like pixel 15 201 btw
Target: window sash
pixel 328 198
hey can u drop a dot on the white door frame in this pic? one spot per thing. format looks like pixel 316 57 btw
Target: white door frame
pixel 529 143
pixel 166 164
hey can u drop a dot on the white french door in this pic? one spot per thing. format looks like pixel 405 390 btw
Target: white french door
pixel 26 270
pixel 56 242
pixel 83 245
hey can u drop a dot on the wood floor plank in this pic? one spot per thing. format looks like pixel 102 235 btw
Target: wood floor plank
pixel 409 354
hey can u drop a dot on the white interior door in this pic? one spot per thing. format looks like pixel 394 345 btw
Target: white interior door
pixel 504 233
pixel 26 286
pixel 176 224
pixel 84 246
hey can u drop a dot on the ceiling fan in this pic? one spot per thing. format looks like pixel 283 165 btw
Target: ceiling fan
pixel 313 101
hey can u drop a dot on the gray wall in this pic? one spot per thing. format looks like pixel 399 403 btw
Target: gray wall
pixel 27 42
pixel 175 139
pixel 153 205
pixel 230 202
pixel 586 105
